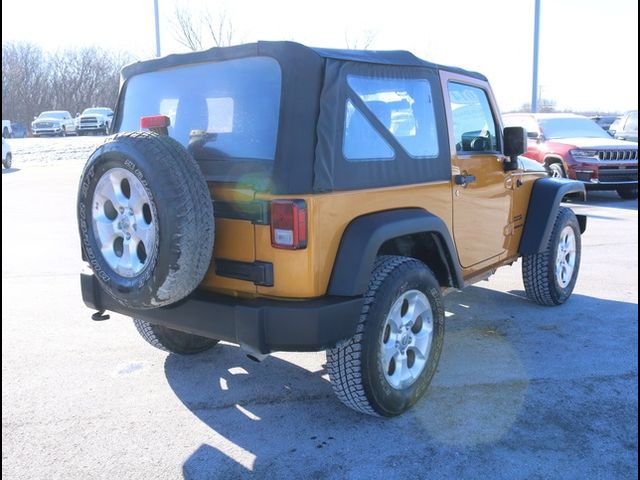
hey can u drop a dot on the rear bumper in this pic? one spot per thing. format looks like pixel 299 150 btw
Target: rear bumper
pixel 259 326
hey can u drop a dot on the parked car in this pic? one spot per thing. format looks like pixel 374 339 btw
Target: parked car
pixel 604 121
pixel 19 130
pixel 6 129
pixel 55 122
pixel 6 154
pixel 336 207
pixel 627 128
pixel 573 146
pixel 94 120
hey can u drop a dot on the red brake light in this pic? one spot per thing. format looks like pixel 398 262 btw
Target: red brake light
pixel 155 121
pixel 289 224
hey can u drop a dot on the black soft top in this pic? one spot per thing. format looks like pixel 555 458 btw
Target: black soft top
pixel 309 156
pixel 286 52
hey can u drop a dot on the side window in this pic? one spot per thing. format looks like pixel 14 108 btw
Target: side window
pixel 361 140
pixel 405 107
pixel 473 124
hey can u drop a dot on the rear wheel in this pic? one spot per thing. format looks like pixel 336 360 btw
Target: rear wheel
pixel 173 341
pixel 628 193
pixel 550 276
pixel 388 364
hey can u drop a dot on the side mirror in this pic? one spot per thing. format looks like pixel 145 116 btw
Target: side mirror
pixel 515 143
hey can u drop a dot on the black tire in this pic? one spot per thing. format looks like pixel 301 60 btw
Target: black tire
pixel 628 193
pixel 556 170
pixel 355 366
pixel 6 133
pixel 63 132
pixel 173 341
pixel 180 203
pixel 538 269
pixel 6 163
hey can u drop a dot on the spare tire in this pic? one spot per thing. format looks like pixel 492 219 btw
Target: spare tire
pixel 145 217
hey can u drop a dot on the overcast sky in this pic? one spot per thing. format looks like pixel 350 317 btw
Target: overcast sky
pixel 588 48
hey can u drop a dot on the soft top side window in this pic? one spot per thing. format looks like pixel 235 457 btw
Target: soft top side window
pixel 404 106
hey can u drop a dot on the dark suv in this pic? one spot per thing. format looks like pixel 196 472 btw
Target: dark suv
pixel 573 146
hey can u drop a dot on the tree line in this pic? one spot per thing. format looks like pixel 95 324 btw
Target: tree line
pixel 34 80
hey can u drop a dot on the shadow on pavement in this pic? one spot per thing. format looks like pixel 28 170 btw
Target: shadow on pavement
pixel 606 199
pixel 513 377
pixel 10 170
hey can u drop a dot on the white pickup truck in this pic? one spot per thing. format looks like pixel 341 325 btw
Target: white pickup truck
pixel 57 122
pixel 96 120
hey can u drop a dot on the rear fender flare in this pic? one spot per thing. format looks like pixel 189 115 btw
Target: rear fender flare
pixel 364 236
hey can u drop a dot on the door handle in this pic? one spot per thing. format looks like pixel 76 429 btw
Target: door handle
pixel 464 179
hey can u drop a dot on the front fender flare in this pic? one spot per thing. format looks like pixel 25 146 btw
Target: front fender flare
pixel 546 195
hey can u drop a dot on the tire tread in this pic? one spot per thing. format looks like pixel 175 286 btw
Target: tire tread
pixel 344 362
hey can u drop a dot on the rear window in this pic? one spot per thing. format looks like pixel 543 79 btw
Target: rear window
pixel 219 111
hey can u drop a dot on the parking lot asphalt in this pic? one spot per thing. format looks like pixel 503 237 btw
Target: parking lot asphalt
pixel 522 391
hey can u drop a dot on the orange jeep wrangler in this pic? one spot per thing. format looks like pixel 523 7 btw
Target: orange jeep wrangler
pixel 287 198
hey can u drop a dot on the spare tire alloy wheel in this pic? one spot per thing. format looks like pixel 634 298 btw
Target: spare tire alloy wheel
pixel 145 217
pixel 123 221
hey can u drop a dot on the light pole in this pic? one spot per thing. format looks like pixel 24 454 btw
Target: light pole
pixel 536 39
pixel 155 9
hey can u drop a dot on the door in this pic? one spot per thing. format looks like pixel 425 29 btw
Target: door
pixel 481 199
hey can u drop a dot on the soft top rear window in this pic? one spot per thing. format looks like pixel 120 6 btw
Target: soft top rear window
pixel 219 111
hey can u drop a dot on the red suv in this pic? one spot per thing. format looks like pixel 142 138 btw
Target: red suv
pixel 575 147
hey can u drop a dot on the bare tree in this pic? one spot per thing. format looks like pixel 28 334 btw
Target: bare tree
pixel 545 105
pixel 202 29
pixel 187 33
pixel 360 41
pixel 24 81
pixel 33 81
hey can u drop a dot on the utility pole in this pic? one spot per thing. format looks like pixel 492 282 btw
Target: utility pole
pixel 536 40
pixel 155 8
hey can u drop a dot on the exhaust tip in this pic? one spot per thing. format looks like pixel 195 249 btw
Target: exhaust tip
pixel 256 358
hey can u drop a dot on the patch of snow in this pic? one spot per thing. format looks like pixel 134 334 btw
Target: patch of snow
pixel 46 150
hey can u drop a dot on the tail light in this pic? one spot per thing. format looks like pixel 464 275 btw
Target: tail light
pixel 289 224
pixel 156 123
